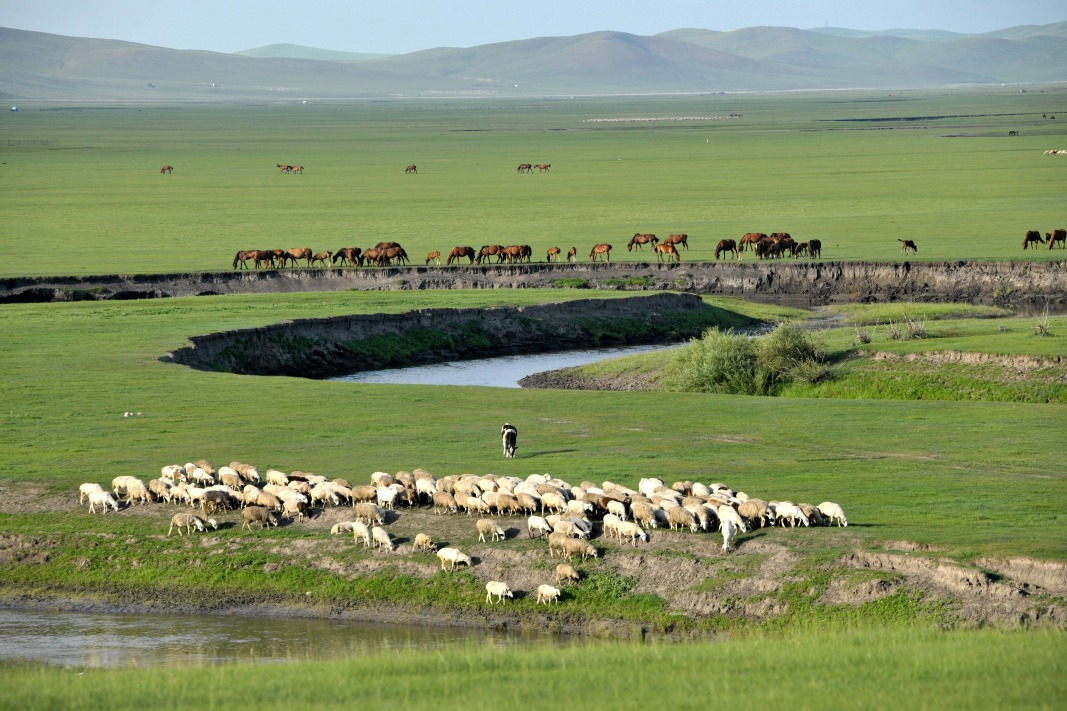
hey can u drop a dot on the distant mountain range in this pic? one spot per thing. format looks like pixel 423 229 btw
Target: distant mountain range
pixel 35 65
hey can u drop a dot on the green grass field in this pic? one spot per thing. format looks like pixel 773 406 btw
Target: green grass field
pixel 81 192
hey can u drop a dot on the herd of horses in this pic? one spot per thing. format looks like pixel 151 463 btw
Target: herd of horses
pixel 289 168
pixel 529 167
pixel 1033 237
pixel 381 255
pixel 773 246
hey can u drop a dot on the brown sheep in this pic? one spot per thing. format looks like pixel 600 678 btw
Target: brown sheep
pixel 566 572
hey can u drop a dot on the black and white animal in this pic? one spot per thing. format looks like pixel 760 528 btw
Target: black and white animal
pixel 509 435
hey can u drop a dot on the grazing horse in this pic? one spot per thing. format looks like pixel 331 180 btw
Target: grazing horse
pixel 348 254
pixel 509 436
pixel 514 253
pixel 458 253
pixel 411 169
pixel 668 249
pixel 524 168
pixel 553 252
pixel 814 248
pixel 434 257
pixel 1059 235
pixel 907 245
pixel 386 245
pixel 678 239
pixel 543 167
pixel 572 255
pixel 1032 237
pixel 641 239
pixel 264 257
pixel 751 239
pixel 374 255
pixel 322 257
pixel 601 249
pixel 726 245
pixel 166 169
pixel 242 258
pixel 391 253
pixel 490 250
pixel 296 254
pixel 800 250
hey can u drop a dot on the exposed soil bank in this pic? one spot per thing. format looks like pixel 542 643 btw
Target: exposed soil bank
pixel 803 281
pixel 322 348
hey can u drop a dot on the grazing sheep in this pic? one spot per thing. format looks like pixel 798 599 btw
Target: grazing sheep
pixel 370 513
pixel 160 488
pixel 187 521
pixel 576 546
pixel 276 477
pixel 633 531
pixel 539 526
pixel 120 483
pixel 618 508
pixel 547 594
pixel 381 538
pixel 786 511
pixel 565 572
pixel 701 514
pixel 754 510
pixel 231 478
pixel 814 515
pixel 680 518
pixel 644 513
pixel 529 503
pixel 499 589
pixel 833 512
pixel 554 502
pixel 294 508
pixel 476 505
pixel 268 500
pixel 88 488
pixel 361 494
pixel 104 499
pixel 214 499
pixel 728 531
pixel 489 527
pixel 361 532
pixel 136 491
pixel 647 486
pixel 452 557
pixel 424 543
pixel 729 513
pixel 444 502
pixel 257 514
pixel 174 472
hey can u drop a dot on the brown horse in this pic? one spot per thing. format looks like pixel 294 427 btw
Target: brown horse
pixel 295 169
pixel 906 245
pixel 513 253
pixel 264 257
pixel 166 169
pixel 668 249
pixel 242 258
pixel 373 255
pixel 434 257
pixel 678 239
pixel 411 169
pixel 490 250
pixel 800 250
pixel 1032 237
pixel 751 239
pixel 322 258
pixel 600 249
pixel 641 239
pixel 1059 235
pixel 460 252
pixel 553 252
pixel 543 167
pixel 524 168
pixel 814 248
pixel 397 253
pixel 386 245
pixel 296 254
pixel 726 245
pixel 283 168
pixel 572 254
pixel 352 255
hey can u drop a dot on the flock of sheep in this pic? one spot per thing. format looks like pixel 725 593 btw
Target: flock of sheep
pixel 557 512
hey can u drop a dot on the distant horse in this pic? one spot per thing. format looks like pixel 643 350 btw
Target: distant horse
pixel 524 168
pixel 553 252
pixel 1058 235
pixel 641 239
pixel 677 239
pixel 600 249
pixel 283 168
pixel 166 169
pixel 800 250
pixel 727 245
pixel 668 249
pixel 543 167
pixel 296 254
pixel 572 254
pixel 434 257
pixel 815 248
pixel 509 436
pixel 460 252
pixel 348 254
pixel 242 258
pixel 751 239
pixel 296 169
pixel 322 258
pixel 1032 237
pixel 411 169
pixel 906 245
pixel 490 250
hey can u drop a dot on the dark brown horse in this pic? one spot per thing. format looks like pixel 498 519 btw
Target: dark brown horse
pixel 726 245
pixel 434 257
pixel 386 245
pixel 543 167
pixel 460 252
pixel 411 169
pixel 166 169
pixel 397 253
pixel 524 168
pixel 264 257
pixel 352 255
pixel 242 258
pixel 814 248
pixel 572 254
pixel 641 239
pixel 800 250
pixel 906 245
pixel 668 249
pixel 1032 237
pixel 678 239
pixel 490 250
pixel 601 249
pixel 1059 235
pixel 553 252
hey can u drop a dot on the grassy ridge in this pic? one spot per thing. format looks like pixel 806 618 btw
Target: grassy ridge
pixel 82 184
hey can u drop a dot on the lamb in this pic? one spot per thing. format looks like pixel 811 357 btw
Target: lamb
pixel 833 512
pixel 360 532
pixel 728 531
pixel 539 526
pixel 257 514
pixel 187 521
pixel 423 542
pixel 382 538
pixel 444 502
pixel 564 572
pixel 342 527
pixel 88 488
pixel 728 513
pixel 634 531
pixel 611 525
pixel 102 498
pixel 547 594
pixel 489 527
pixel 499 589
pixel 452 557
pixel 386 497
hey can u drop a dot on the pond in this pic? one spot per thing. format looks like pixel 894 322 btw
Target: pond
pixel 500 371
pixel 101 639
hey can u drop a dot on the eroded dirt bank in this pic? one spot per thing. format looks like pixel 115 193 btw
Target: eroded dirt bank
pixel 804 281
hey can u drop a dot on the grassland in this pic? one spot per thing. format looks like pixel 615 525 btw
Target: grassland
pixel 961 482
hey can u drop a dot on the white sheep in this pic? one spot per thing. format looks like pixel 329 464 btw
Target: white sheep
pixel 547 594
pixel 187 521
pixel 423 542
pixel 88 488
pixel 489 527
pixel 382 538
pixel 342 527
pixel 361 532
pixel 119 483
pixel 729 513
pixel 452 557
pixel 499 589
pixel 728 531
pixel 618 508
pixel 104 499
pixel 632 530
pixel 539 526
pixel 787 511
pixel 833 512
pixel 276 477
pixel 137 491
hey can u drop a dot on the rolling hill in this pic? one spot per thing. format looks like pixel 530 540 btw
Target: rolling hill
pixel 49 67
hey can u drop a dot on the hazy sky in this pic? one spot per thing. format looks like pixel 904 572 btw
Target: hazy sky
pixel 398 26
